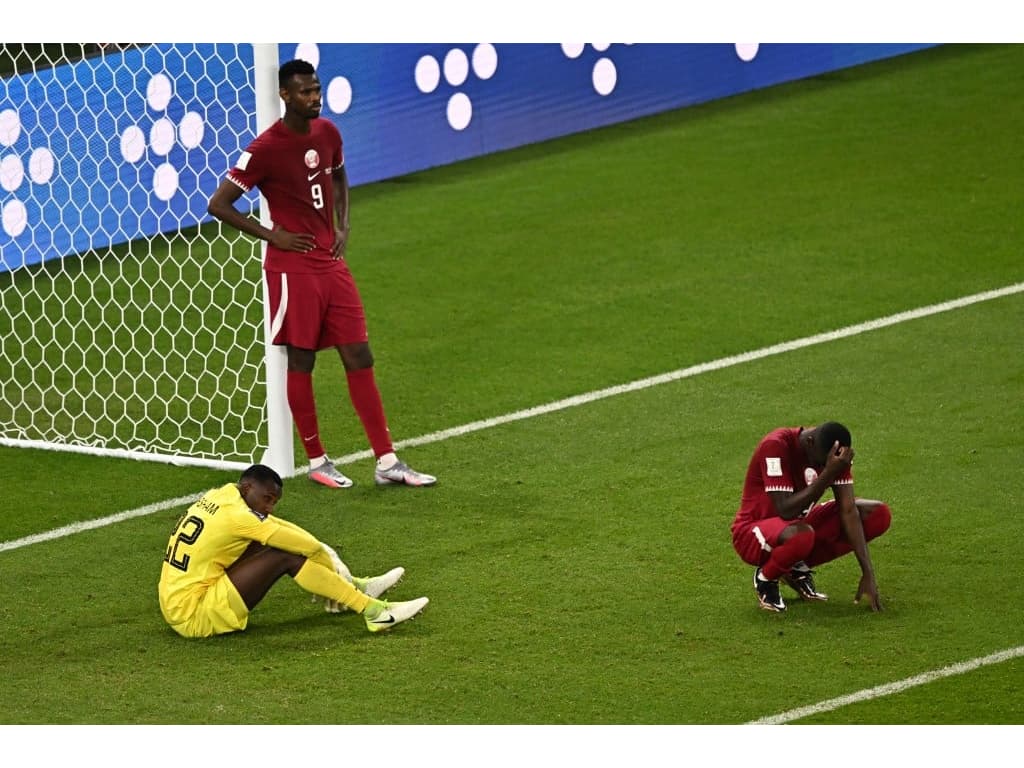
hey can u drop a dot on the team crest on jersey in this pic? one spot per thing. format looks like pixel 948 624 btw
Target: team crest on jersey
pixel 810 475
pixel 312 158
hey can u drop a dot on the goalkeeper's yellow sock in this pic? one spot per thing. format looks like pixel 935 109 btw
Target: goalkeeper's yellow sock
pixel 314 578
pixel 374 608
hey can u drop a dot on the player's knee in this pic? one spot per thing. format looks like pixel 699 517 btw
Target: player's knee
pixel 292 563
pixel 877 521
pixel 355 357
pixel 799 540
pixel 301 360
pixel 796 529
pixel 283 562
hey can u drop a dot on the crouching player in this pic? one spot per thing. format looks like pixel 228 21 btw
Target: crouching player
pixel 783 530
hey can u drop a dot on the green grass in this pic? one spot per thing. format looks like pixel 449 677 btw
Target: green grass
pixel 579 563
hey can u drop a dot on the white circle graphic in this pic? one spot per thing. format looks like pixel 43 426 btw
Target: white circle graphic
pixel 601 47
pixel 158 92
pixel 40 165
pixel 339 95
pixel 12 173
pixel 605 76
pixel 427 74
pixel 308 52
pixel 460 111
pixel 573 50
pixel 133 144
pixel 10 127
pixel 15 218
pixel 747 51
pixel 191 130
pixel 456 67
pixel 485 61
pixel 165 181
pixel 161 136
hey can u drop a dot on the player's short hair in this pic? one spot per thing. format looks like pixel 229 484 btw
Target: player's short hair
pixel 832 431
pixel 289 69
pixel 261 473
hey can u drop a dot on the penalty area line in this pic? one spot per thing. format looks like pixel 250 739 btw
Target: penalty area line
pixel 571 402
pixel 88 525
pixel 696 370
pixel 890 688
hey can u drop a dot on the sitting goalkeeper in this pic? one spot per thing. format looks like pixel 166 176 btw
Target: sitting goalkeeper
pixel 228 550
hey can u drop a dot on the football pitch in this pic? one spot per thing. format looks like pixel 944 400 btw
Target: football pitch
pixel 576 552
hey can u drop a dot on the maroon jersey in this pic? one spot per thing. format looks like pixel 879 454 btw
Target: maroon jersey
pixel 778 464
pixel 293 171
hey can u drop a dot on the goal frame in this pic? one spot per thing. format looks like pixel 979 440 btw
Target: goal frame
pixel 279 452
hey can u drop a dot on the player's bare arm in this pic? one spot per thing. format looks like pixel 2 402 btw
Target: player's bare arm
pixel 853 531
pixel 340 181
pixel 222 206
pixel 340 243
pixel 790 506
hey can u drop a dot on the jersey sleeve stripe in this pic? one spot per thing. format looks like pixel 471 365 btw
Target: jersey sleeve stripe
pixel 237 183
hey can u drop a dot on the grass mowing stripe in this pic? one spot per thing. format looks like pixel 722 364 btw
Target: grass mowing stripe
pixel 570 402
pixel 890 688
pixel 694 370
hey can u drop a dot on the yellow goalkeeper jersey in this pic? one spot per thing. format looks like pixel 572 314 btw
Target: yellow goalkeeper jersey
pixel 210 536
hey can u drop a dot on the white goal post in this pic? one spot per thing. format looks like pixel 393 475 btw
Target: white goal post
pixel 131 325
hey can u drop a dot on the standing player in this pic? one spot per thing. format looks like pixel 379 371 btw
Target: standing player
pixel 229 549
pixel 782 529
pixel 299 167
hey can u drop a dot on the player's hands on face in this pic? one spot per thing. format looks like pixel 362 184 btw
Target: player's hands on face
pixel 868 587
pixel 291 241
pixel 340 243
pixel 839 458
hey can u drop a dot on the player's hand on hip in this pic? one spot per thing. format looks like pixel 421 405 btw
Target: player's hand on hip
pixel 292 241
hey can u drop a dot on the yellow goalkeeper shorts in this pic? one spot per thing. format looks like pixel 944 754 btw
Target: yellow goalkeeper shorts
pixel 220 610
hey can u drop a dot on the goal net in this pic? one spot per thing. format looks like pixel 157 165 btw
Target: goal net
pixel 130 323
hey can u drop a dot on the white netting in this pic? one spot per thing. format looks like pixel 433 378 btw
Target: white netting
pixel 127 325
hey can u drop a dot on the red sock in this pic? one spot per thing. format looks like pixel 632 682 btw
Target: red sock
pixel 362 388
pixel 784 556
pixel 827 549
pixel 303 407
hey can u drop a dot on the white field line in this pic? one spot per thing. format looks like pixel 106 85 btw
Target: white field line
pixel 890 688
pixel 571 402
pixel 725 362
pixel 694 370
pixel 88 525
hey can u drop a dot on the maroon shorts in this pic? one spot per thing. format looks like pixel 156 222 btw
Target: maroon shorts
pixel 755 540
pixel 315 311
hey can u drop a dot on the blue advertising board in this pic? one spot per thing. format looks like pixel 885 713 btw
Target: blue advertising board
pixel 133 143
